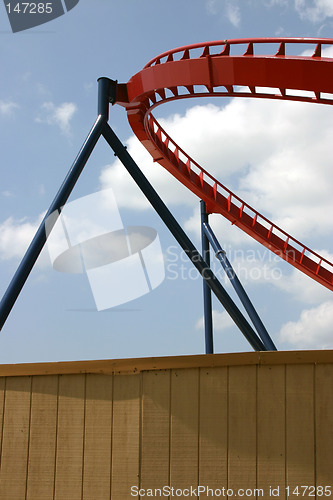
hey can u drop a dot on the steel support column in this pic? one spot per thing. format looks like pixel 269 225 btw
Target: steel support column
pixel 207 293
pixel 244 298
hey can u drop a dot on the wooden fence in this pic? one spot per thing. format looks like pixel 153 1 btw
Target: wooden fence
pixel 253 422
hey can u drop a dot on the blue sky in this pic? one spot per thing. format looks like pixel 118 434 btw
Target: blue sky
pixel 48 96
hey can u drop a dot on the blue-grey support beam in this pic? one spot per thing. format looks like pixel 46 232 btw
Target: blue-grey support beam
pixel 207 293
pixel 105 96
pixel 221 256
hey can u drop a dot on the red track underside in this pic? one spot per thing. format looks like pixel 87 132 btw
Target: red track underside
pixel 219 72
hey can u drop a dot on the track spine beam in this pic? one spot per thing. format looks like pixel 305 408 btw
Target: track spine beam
pixel 225 68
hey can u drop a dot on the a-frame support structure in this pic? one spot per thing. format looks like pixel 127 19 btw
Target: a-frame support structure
pixel 106 95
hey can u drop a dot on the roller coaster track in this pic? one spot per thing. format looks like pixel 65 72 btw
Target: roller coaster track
pixel 256 67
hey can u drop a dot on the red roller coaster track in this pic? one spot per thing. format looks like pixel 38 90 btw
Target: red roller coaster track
pixel 257 67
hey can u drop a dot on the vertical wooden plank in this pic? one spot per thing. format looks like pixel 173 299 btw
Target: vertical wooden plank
pixel 300 447
pixel 97 440
pixel 324 424
pixel 2 402
pixel 14 456
pixel 213 429
pixel 271 429
pixel 242 428
pixel 125 435
pixel 155 440
pixel 184 438
pixel 43 424
pixel 69 458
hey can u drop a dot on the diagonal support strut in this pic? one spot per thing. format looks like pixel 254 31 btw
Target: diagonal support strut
pixel 182 238
pixel 106 95
pixel 220 254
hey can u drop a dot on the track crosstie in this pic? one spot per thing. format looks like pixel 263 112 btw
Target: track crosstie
pixel 256 67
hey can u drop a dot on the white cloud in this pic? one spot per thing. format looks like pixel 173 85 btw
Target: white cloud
pixel 233 13
pixel 57 115
pixel 314 10
pixel 211 134
pixel 211 6
pixel 221 320
pixel 292 183
pixel 313 330
pixel 229 235
pixel 15 236
pixel 302 288
pixel 271 3
pixel 230 9
pixel 127 193
pixel 283 170
pixel 7 194
pixel 7 108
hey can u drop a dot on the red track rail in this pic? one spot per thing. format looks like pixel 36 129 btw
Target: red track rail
pixel 257 67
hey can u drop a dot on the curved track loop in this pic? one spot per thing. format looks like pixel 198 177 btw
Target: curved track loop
pixel 261 68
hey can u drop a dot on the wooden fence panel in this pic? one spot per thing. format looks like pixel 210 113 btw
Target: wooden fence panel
pixel 300 439
pixel 125 435
pixel 2 406
pixel 184 438
pixel 15 442
pixel 42 445
pixel 70 430
pixel 324 425
pixel 213 429
pixel 242 428
pixel 155 430
pixel 271 428
pixel 254 427
pixel 97 438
